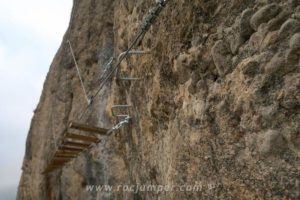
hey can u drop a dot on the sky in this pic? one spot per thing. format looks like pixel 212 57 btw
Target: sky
pixel 30 34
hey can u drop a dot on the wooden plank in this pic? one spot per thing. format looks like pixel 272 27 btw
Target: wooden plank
pixel 59 162
pixel 70 149
pixel 51 168
pixel 73 147
pixel 85 127
pixel 64 156
pixel 76 144
pixel 81 137
pixel 66 152
pixel 68 157
pixel 55 165
pixel 48 170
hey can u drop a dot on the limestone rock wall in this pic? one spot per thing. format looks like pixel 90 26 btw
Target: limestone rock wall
pixel 219 102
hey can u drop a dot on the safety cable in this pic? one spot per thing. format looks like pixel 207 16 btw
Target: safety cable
pixel 149 20
pixel 160 4
pixel 79 75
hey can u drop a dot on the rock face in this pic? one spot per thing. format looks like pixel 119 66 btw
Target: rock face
pixel 218 104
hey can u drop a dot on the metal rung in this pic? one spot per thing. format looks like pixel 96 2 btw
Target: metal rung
pixel 133 52
pixel 119 106
pixel 129 79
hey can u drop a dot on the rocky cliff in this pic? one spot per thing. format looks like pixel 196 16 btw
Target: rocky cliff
pixel 218 103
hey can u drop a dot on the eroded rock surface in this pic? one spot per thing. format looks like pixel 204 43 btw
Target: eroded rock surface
pixel 218 103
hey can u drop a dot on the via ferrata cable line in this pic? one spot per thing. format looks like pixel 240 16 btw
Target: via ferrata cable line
pixel 149 20
pixel 70 149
